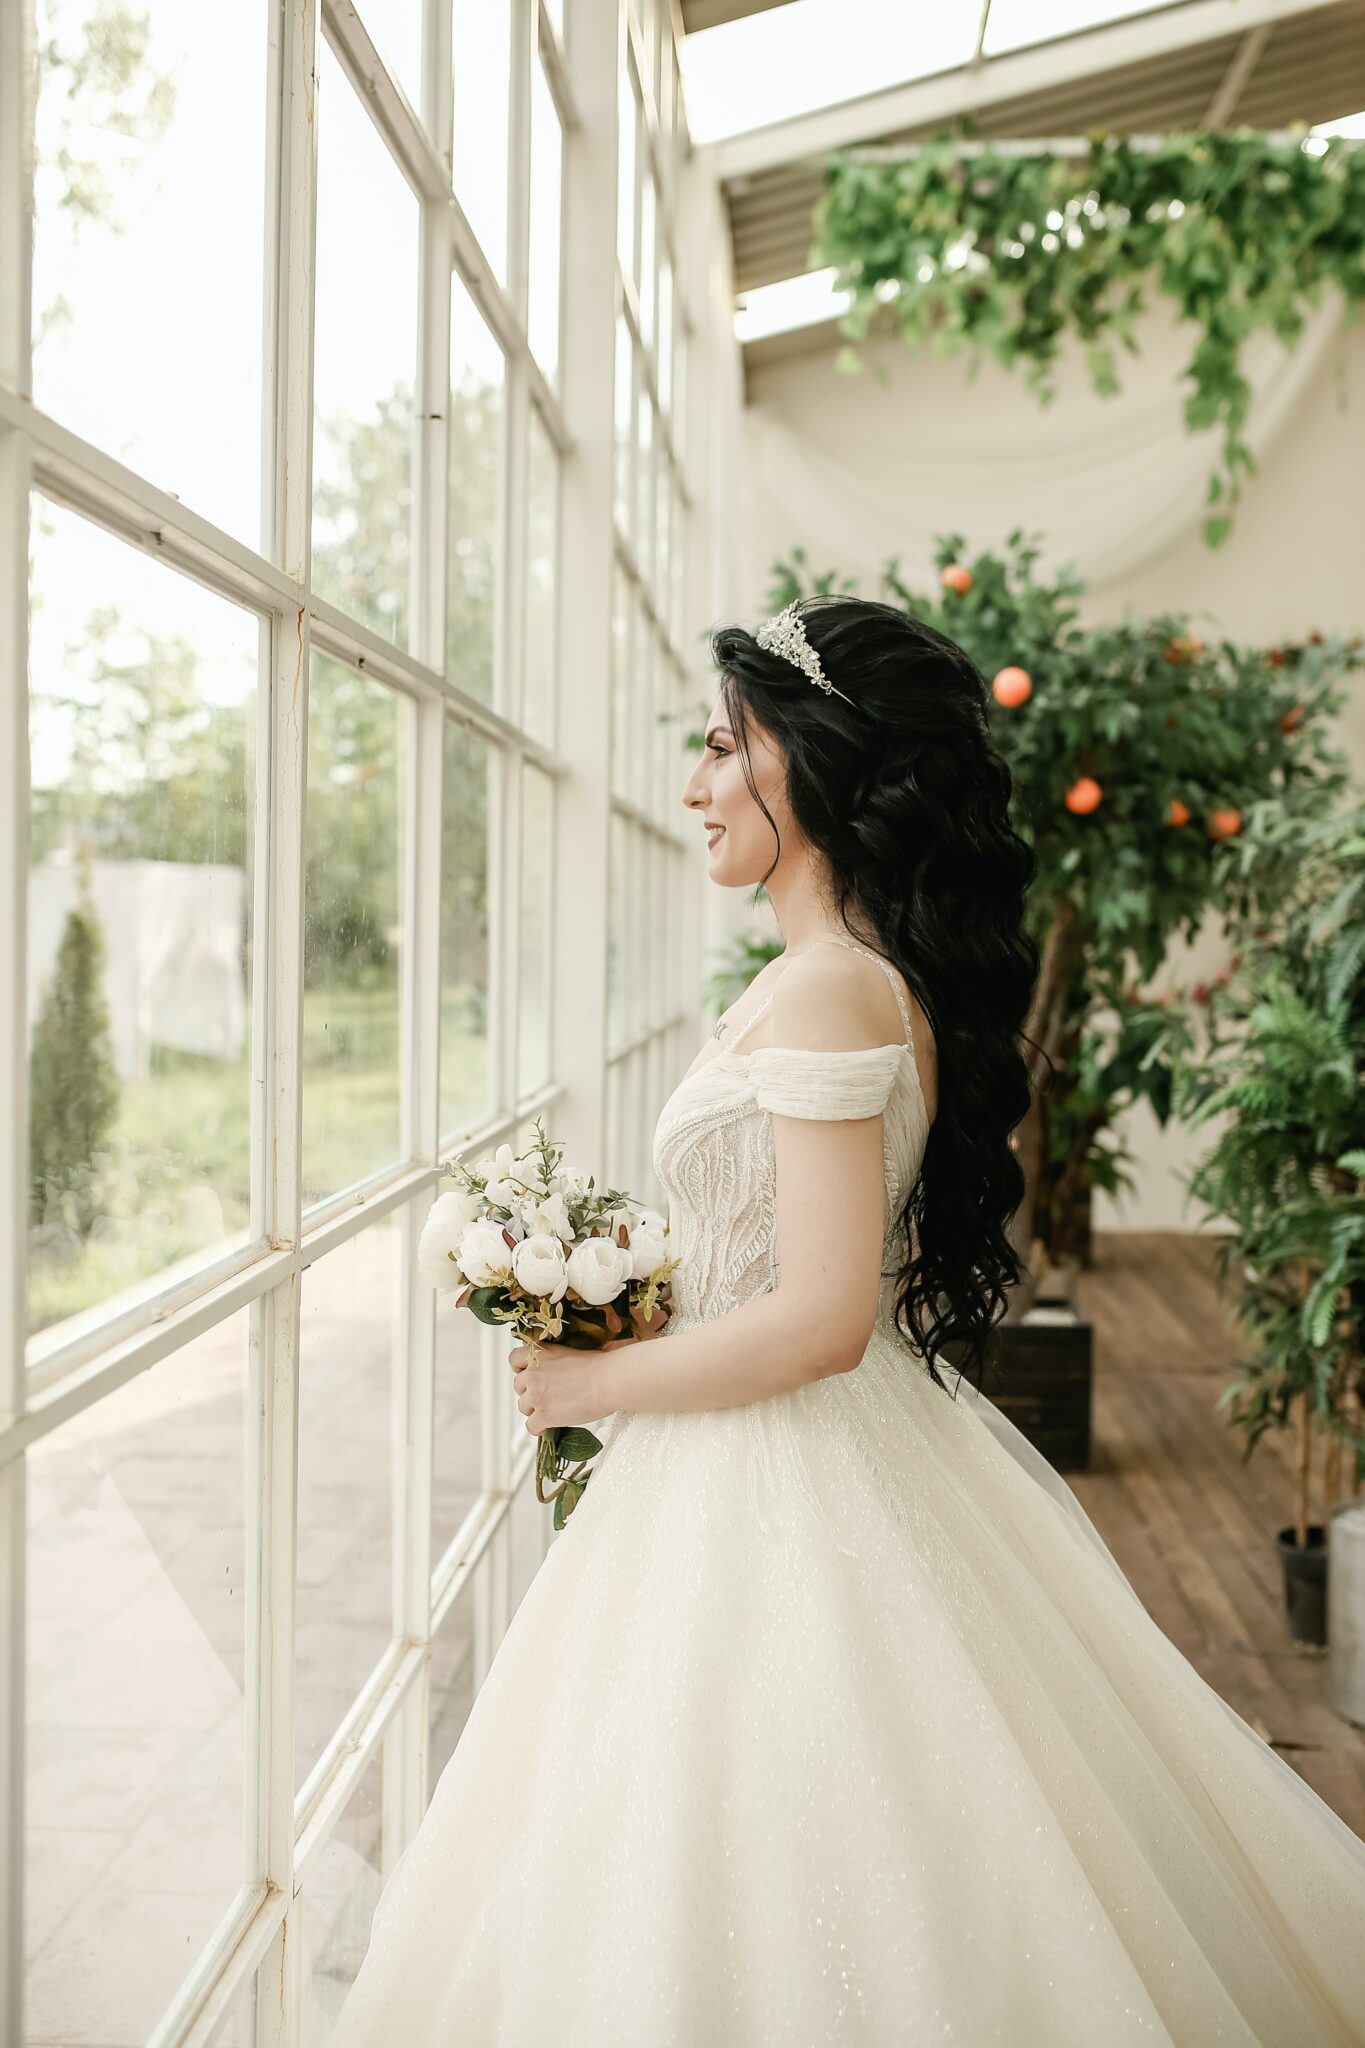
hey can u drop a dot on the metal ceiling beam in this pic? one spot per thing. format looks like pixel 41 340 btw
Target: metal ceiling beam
pixel 1248 56
pixel 925 102
pixel 703 14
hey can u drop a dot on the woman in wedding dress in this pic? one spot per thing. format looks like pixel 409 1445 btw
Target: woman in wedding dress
pixel 829 1718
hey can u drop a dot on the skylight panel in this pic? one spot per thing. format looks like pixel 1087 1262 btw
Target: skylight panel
pixel 1017 24
pixel 792 60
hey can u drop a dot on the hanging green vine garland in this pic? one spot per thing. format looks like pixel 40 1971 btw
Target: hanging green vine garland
pixel 1005 254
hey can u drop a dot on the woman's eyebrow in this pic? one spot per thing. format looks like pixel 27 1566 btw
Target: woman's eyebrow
pixel 718 728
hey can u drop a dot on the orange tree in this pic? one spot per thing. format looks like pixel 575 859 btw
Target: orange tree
pixel 1138 751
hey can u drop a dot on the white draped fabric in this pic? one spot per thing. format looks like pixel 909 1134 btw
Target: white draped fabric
pixel 858 470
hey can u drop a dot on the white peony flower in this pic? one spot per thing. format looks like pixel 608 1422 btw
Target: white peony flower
pixel 648 1251
pixel 598 1270
pixel 447 1220
pixel 538 1263
pixel 484 1254
pixel 547 1212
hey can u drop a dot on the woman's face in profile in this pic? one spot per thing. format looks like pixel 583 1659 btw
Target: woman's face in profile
pixel 741 852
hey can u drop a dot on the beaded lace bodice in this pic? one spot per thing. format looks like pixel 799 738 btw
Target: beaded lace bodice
pixel 713 1153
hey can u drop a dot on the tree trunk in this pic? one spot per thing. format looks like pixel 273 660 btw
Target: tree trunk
pixel 1046 1028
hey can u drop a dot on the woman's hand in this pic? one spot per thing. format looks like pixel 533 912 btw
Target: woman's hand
pixel 565 1386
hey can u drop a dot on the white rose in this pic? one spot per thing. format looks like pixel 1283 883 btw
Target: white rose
pixel 598 1270
pixel 538 1263
pixel 647 1252
pixel 549 1212
pixel 447 1220
pixel 484 1255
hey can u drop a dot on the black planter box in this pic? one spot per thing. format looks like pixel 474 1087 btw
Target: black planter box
pixel 1039 1373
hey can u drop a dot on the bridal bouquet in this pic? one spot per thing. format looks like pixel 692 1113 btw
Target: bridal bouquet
pixel 557 1261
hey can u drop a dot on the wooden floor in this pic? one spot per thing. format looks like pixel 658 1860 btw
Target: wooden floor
pixel 1192 1525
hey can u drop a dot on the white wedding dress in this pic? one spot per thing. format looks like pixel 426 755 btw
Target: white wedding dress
pixel 830 1719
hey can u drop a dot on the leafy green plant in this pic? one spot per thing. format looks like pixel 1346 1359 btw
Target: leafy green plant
pixel 1005 253
pixel 73 1084
pixel 1284 1062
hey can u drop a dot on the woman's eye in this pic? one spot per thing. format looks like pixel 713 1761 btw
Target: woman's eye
pixel 719 752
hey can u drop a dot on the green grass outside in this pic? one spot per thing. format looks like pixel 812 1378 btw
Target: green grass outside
pixel 179 1175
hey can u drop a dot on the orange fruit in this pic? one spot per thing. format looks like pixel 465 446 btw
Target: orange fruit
pixel 1292 717
pixel 1225 824
pixel 1183 649
pixel 1177 814
pixel 957 579
pixel 1083 795
pixel 1012 687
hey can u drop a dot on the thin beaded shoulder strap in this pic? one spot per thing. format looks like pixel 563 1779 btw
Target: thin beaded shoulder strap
pixel 853 947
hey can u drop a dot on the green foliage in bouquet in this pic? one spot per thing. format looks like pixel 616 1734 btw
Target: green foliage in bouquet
pixel 1004 254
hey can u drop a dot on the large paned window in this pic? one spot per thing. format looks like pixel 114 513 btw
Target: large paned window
pixel 648 696
pixel 292 491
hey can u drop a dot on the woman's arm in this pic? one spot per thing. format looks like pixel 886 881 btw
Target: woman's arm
pixel 830 1221
pixel 763 1347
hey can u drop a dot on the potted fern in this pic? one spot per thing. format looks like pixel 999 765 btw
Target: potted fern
pixel 1284 1064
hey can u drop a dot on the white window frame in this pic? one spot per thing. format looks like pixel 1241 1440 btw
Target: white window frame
pixel 259 1940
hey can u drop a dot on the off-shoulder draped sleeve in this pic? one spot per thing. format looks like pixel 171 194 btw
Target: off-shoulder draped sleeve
pixel 794 1082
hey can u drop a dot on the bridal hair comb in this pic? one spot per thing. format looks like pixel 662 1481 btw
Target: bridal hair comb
pixel 784 634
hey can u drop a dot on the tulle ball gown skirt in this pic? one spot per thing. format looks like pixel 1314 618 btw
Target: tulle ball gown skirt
pixel 830 1719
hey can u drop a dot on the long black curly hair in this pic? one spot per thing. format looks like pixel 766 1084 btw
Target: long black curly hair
pixel 908 796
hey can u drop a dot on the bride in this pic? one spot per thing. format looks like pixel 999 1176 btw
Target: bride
pixel 830 1718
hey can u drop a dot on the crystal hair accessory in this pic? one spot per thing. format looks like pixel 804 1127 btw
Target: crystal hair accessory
pixel 784 634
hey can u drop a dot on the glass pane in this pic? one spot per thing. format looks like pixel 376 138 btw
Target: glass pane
pixel 482 63
pixel 348 1340
pixel 339 1898
pixel 678 387
pixel 647 281
pixel 357 746
pixel 142 718
pixel 365 356
pixel 136 1666
pixel 667 89
pixel 466 1085
pixel 625 425
pixel 547 151
pixel 662 501
pixel 149 192
pixel 664 351
pixel 537 953
pixel 620 679
pixel 542 559
pixel 1013 24
pixel 644 487
pixel 395 28
pixel 678 562
pixel 627 114
pixel 616 931
pixel 478 377
pixel 450 1683
pixel 457 1461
